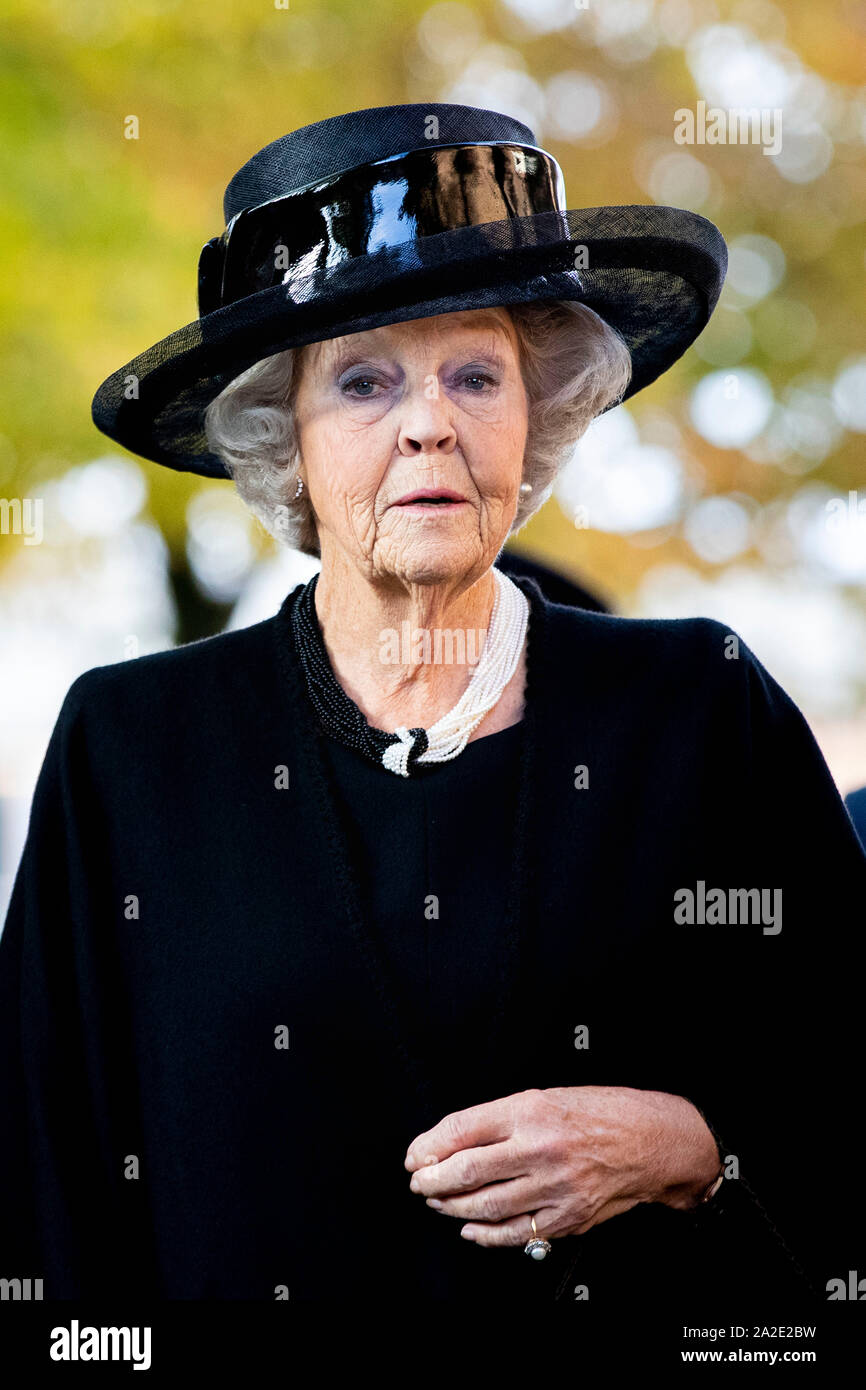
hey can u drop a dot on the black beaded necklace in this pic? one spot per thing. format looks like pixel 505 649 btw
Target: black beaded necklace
pixel 321 702
pixel 339 715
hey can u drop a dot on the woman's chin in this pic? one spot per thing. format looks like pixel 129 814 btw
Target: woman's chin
pixel 438 563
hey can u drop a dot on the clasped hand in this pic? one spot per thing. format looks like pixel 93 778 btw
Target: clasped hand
pixel 573 1156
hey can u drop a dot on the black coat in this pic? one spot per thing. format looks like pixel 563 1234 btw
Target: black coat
pixel 176 904
pixel 856 804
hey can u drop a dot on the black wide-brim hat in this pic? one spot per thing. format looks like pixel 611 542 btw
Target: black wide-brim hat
pixel 395 213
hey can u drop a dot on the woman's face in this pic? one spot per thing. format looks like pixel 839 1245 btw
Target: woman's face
pixel 432 405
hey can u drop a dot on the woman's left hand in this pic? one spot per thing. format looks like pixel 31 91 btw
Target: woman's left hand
pixel 573 1156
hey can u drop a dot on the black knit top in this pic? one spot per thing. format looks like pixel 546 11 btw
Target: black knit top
pixel 435 857
pixel 183 977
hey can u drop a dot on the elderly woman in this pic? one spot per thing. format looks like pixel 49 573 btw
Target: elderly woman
pixel 427 897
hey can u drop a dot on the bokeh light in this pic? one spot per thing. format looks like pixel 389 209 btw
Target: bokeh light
pixel 99 497
pixel 849 395
pixel 756 265
pixel 219 542
pixel 730 408
pixel 580 108
pixel 615 482
pixel 718 529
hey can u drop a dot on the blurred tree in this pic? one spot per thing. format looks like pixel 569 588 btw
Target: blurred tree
pixel 101 233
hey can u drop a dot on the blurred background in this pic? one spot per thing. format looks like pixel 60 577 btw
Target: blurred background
pixel 734 487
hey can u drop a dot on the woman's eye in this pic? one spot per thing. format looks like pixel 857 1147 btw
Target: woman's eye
pixel 362 387
pixel 358 381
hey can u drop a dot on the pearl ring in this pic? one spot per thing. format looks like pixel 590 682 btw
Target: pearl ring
pixel 537 1247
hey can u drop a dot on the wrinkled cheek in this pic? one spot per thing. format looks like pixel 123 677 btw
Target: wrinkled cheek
pixel 359 521
pixel 496 513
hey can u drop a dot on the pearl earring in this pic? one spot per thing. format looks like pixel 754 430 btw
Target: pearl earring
pixel 299 489
pixel 525 489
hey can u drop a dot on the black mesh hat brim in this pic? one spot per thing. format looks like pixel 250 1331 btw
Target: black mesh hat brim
pixel 653 273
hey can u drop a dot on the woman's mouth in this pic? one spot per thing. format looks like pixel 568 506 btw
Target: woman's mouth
pixel 435 499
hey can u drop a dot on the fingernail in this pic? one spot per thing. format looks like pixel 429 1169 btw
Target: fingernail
pixel 434 1202
pixel 467 1233
pixel 414 1184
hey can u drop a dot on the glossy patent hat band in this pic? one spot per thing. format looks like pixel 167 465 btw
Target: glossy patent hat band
pixel 298 239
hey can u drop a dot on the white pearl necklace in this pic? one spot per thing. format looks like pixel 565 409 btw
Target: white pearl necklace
pixel 494 669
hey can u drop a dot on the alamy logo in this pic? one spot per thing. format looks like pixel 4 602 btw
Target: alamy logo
pixel 735 125
pixel 854 1288
pixel 76 1343
pixel 444 646
pixel 20 1290
pixel 22 516
pixel 737 907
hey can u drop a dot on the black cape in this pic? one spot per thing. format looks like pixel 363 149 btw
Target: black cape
pixel 176 906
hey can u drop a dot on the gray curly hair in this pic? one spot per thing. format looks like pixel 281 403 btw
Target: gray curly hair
pixel 573 363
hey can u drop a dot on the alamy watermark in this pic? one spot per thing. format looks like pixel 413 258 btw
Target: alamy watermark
pixel 734 907
pixel 735 125
pixel 20 1290
pixel 444 646
pixel 22 516
pixel 842 513
pixel 77 1343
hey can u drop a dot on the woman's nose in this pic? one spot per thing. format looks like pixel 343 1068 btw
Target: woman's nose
pixel 426 423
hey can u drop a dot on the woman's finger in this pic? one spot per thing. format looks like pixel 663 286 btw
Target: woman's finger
pixel 499 1202
pixel 488 1123
pixel 517 1231
pixel 469 1169
pixel 550 1222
